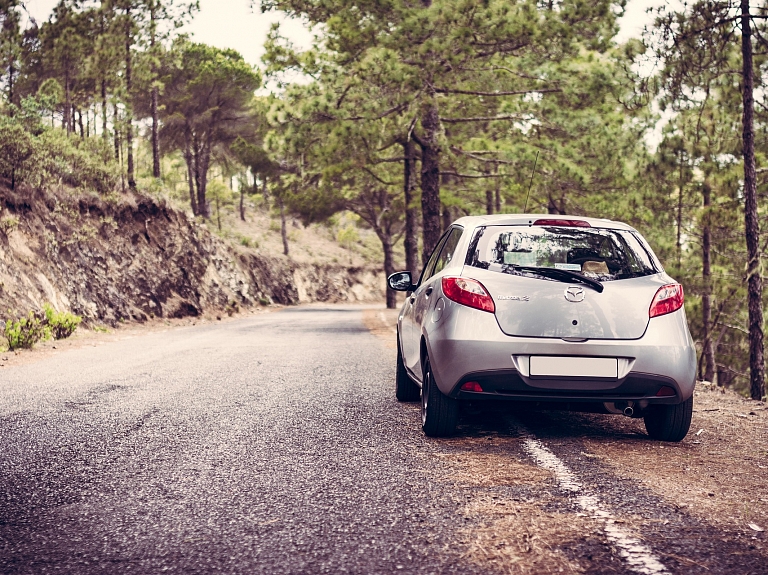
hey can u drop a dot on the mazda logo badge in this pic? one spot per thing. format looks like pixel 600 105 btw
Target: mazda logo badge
pixel 575 294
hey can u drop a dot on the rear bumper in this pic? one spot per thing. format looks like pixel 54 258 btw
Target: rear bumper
pixel 468 345
pixel 510 385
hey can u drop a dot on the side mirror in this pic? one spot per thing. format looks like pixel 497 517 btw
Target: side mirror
pixel 401 281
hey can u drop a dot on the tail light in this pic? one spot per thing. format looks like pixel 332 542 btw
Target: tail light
pixel 669 298
pixel 563 223
pixel 468 292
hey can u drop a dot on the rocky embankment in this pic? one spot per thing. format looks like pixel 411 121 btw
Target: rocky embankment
pixel 130 257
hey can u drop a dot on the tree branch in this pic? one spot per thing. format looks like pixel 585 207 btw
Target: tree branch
pixel 378 179
pixel 513 93
pixel 482 119
pixel 478 158
pixel 473 176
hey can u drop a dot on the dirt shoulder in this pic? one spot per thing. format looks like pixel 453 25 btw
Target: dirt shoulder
pixel 718 472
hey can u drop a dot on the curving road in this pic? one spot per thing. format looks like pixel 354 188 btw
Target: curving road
pixel 273 444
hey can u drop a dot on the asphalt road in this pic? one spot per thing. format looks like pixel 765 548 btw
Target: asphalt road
pixel 273 444
pixel 263 445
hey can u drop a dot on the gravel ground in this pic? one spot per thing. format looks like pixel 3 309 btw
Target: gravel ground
pixel 273 444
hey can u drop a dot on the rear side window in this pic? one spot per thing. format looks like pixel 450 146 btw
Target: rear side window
pixel 449 250
pixel 429 269
pixel 593 252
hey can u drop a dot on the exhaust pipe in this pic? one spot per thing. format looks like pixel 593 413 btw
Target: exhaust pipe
pixel 626 408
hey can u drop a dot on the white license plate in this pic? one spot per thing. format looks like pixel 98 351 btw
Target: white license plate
pixel 555 366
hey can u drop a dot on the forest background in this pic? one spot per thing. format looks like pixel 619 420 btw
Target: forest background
pixel 403 115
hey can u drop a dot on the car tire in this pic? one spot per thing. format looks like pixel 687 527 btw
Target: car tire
pixel 669 422
pixel 439 413
pixel 405 388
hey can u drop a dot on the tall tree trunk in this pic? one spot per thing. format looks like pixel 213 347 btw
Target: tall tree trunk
pixel 104 127
pixel 389 267
pixel 201 207
pixel 80 123
pixel 116 124
pixel 265 190
pixel 128 107
pixel 411 239
pixel 430 176
pixel 202 163
pixel 242 202
pixel 218 212
pixel 11 72
pixel 498 190
pixel 680 188
pixel 447 217
pixel 706 297
pixel 283 230
pixel 156 173
pixel 489 201
pixel 552 205
pixel 752 225
pixel 189 160
pixel 155 94
pixel 67 103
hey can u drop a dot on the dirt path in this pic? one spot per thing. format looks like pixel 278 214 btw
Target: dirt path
pixel 548 491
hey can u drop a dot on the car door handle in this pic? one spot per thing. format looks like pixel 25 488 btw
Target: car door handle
pixel 413 298
pixel 428 291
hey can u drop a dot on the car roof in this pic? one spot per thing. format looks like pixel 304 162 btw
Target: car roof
pixel 528 219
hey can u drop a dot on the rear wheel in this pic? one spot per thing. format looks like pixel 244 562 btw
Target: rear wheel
pixel 439 413
pixel 669 422
pixel 405 389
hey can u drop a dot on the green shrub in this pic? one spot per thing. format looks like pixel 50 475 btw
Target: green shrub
pixel 16 149
pixel 232 308
pixel 247 242
pixel 75 162
pixel 348 237
pixel 25 332
pixel 60 324
pixel 33 153
pixel 9 224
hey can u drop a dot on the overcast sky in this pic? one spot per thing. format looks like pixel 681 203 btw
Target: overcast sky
pixel 232 24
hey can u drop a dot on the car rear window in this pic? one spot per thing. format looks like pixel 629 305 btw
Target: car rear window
pixel 602 254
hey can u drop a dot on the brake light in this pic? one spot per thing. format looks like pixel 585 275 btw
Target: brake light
pixel 564 223
pixel 669 298
pixel 468 292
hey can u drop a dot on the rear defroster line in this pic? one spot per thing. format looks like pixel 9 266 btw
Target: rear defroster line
pixel 638 557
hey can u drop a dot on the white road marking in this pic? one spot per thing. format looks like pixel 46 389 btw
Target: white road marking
pixel 639 557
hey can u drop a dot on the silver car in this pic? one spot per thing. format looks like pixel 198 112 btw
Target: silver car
pixel 545 308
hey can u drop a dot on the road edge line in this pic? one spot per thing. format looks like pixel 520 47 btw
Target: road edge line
pixel 639 557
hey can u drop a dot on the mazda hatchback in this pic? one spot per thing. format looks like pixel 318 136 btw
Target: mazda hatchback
pixel 545 308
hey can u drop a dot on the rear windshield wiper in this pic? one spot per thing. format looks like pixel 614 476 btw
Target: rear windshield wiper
pixel 557 274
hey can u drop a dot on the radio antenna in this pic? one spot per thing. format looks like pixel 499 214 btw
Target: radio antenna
pixel 525 209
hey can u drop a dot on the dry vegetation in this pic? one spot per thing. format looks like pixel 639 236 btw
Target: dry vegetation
pixel 339 240
pixel 513 531
pixel 383 324
pixel 718 473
